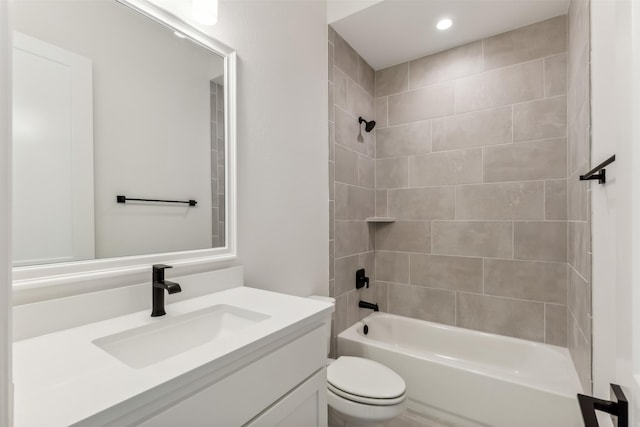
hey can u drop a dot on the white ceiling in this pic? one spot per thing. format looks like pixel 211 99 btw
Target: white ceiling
pixel 394 31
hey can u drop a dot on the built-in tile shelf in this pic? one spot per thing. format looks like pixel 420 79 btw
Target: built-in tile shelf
pixel 380 219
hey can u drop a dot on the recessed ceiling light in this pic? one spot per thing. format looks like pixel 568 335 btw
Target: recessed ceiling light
pixel 444 24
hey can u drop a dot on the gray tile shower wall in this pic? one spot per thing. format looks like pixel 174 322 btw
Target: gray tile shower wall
pixel 217 165
pixel 578 193
pixel 471 159
pixel 351 181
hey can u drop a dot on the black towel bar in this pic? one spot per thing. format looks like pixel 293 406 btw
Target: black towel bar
pixel 593 173
pixel 125 199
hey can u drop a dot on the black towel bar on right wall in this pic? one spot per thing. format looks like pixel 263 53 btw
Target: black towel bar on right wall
pixel 599 172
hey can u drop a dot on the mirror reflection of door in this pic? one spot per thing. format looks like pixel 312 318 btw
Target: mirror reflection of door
pixel 53 204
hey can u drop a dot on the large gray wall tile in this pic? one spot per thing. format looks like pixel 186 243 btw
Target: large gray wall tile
pixel 579 300
pixel 381 203
pixel 366 77
pixel 515 200
pixel 475 129
pixel 580 349
pixel 579 248
pixel 579 79
pixel 340 88
pixel 340 320
pixel 392 173
pixel 505 316
pixel 555 324
pixel 577 199
pixel 448 65
pixel 538 281
pixel 421 104
pixel 447 272
pixel 360 103
pixel 331 102
pixel 414 138
pixel 346 166
pixel 345 273
pixel 526 161
pixel 555 200
pixel 555 75
pixel 433 305
pixel 524 44
pixel 366 172
pixel 579 139
pixel 518 83
pixel 331 141
pixel 540 240
pixel 354 203
pixel 381 292
pixel 422 203
pixel 472 238
pixel 330 62
pixel 381 113
pixel 392 267
pixel 542 119
pixel 404 236
pixel 345 57
pixel 392 80
pixel 446 168
pixel 351 238
pixel 332 224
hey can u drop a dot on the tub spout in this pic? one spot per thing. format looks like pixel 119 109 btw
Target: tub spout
pixel 364 304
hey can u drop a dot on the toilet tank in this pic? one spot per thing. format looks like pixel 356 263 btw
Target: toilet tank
pixel 331 301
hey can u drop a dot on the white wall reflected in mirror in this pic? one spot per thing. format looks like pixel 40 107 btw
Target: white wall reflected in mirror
pixel 112 103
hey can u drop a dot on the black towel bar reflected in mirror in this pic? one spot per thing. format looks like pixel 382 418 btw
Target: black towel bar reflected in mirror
pixel 125 199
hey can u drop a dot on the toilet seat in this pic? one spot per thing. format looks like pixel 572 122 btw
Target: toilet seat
pixel 365 381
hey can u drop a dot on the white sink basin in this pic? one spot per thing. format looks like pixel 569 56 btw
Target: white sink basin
pixel 149 344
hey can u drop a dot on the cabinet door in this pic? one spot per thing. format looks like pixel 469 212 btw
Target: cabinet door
pixel 306 405
pixel 241 396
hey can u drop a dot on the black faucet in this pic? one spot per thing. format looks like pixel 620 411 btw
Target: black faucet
pixel 364 304
pixel 158 287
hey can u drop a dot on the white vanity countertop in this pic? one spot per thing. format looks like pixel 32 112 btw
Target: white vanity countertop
pixel 63 378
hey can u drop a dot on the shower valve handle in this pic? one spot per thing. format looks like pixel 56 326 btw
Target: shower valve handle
pixel 361 279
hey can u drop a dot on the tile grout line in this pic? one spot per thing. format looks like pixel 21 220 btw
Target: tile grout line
pixel 459 291
pixel 455 308
pixel 484 261
pixel 544 323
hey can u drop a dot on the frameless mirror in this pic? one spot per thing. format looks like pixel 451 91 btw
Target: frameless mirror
pixel 119 135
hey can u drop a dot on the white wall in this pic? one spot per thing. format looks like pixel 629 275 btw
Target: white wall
pixel 283 222
pixel 283 190
pixel 145 145
pixel 6 393
pixel 615 205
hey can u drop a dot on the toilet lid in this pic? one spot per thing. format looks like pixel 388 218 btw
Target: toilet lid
pixel 365 378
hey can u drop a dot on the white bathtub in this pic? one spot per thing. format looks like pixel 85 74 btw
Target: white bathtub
pixel 468 378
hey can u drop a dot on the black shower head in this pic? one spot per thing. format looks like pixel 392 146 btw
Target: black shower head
pixel 368 126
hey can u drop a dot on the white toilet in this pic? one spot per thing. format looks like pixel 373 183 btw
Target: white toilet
pixel 362 392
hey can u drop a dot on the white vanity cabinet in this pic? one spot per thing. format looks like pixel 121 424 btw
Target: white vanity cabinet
pixel 268 371
pixel 286 387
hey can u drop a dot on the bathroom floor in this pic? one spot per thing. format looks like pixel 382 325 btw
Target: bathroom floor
pixel 405 420
pixel 409 420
